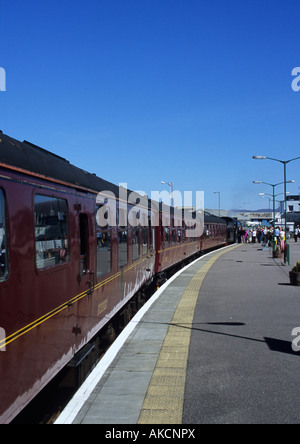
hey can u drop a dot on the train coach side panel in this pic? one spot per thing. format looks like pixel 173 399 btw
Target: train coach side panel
pixel 33 311
pixel 51 301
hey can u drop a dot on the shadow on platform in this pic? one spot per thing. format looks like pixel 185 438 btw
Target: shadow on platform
pixel 277 345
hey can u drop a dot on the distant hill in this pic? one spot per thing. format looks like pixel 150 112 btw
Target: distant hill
pixel 262 210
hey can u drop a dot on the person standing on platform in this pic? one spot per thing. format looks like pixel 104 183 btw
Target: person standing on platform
pixel 296 233
pixel 239 235
pixel 282 243
pixel 276 234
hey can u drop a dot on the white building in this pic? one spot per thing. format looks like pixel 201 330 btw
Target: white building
pixel 293 203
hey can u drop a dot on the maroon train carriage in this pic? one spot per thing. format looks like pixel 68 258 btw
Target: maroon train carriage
pixel 215 232
pixel 62 276
pixel 64 273
pixel 175 239
pixel 176 244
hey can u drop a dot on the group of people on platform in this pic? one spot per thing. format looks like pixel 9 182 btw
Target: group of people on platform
pixel 264 235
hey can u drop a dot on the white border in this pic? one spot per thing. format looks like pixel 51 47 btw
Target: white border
pixel 72 409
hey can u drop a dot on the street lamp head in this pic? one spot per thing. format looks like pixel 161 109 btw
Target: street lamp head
pixel 258 157
pixel 261 194
pixel 257 181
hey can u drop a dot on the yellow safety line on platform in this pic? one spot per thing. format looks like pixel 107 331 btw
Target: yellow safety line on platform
pixel 163 403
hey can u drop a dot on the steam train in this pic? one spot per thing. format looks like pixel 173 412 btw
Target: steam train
pixel 63 275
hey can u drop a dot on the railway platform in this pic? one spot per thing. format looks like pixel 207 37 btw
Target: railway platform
pixel 213 345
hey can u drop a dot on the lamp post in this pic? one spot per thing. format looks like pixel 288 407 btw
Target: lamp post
pixel 273 195
pixel 171 185
pixel 284 162
pixel 219 193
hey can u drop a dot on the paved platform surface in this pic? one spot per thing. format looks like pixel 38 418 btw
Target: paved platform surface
pixel 242 368
pixel 214 347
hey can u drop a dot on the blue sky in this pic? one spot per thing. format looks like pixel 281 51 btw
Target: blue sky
pixel 141 91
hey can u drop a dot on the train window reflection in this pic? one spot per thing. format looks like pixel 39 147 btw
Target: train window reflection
pixel 103 253
pixel 122 248
pixel 135 244
pixel 167 236
pixel 173 237
pixel 4 265
pixel 145 240
pixel 51 231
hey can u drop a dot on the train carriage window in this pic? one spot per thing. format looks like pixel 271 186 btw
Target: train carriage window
pixel 179 238
pixel 152 240
pixel 183 234
pixel 4 265
pixel 122 237
pixel 122 248
pixel 51 231
pixel 167 236
pixel 103 253
pixel 135 244
pixel 173 236
pixel 145 240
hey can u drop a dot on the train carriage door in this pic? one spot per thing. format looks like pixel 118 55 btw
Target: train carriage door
pixel 85 264
pixel 84 244
pixel 86 272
